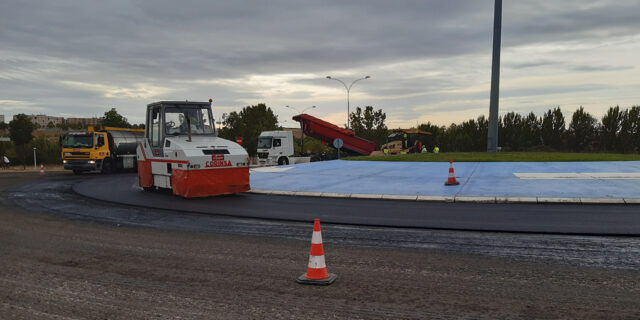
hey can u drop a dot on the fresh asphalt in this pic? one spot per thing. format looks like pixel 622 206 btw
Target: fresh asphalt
pixel 529 218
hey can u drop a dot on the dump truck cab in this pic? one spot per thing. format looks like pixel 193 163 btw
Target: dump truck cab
pixel 103 150
pixel 182 152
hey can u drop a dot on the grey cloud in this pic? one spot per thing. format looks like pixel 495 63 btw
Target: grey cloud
pixel 167 44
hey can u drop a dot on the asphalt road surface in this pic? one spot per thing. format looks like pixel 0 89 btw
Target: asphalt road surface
pixel 62 260
pixel 550 218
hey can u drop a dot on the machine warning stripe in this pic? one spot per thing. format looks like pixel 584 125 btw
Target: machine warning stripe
pixel 144 155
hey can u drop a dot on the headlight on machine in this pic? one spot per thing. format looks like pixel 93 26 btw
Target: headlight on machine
pixel 64 161
pixel 92 162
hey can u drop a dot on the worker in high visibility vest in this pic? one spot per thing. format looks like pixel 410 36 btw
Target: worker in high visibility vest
pixel 436 150
pixel 386 151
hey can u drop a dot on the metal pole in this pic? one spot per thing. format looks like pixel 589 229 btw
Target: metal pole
pixel 34 158
pixel 492 136
pixel 348 91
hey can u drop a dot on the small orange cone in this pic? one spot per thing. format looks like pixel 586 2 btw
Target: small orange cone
pixel 452 177
pixel 317 270
pixel 41 169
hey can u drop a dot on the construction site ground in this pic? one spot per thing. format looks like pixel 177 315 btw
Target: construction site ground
pixel 55 268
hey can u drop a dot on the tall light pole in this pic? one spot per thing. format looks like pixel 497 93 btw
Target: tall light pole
pixel 301 128
pixel 492 136
pixel 348 91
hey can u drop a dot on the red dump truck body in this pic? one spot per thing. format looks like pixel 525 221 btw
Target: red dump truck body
pixel 328 132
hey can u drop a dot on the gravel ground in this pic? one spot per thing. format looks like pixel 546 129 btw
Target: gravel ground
pixel 57 269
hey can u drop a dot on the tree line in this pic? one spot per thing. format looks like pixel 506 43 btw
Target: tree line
pixel 617 131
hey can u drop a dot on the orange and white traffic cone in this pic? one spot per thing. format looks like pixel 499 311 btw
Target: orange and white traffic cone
pixel 42 169
pixel 452 177
pixel 317 270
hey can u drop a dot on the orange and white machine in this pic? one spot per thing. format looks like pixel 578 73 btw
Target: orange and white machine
pixel 182 152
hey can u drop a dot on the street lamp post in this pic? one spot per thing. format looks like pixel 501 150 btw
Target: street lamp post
pixel 348 91
pixel 301 128
pixel 34 158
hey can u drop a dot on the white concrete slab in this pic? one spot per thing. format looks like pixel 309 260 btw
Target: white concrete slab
pixel 475 199
pixel 307 194
pixel 399 197
pixel 365 196
pixel 259 191
pixel 632 200
pixel 435 198
pixel 558 200
pixel 602 200
pixel 335 195
pixel 516 200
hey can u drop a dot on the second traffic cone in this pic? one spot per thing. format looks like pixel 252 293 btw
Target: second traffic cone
pixel 451 181
pixel 41 169
pixel 317 269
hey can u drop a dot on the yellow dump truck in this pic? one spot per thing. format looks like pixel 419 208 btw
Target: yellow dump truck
pixel 105 150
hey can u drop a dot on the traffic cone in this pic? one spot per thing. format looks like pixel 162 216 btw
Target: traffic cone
pixel 42 169
pixel 452 177
pixel 317 270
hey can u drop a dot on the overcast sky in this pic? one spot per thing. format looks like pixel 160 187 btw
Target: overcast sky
pixel 428 60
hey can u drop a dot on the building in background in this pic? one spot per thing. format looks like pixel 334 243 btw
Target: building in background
pixel 83 121
pixel 43 120
pixel 1 117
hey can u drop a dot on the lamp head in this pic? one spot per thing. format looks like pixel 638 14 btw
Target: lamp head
pixel 328 77
pixel 367 77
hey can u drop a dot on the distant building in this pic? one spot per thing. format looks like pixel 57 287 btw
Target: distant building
pixel 1 117
pixel 43 120
pixel 83 121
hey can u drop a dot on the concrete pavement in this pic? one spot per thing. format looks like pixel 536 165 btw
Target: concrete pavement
pixel 614 182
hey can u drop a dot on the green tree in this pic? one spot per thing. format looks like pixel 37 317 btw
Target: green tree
pixel 530 131
pixel 21 133
pixel 113 119
pixel 611 127
pixel 51 125
pixel 369 124
pixel 3 126
pixel 510 131
pixel 583 131
pixel 553 129
pixel 248 124
pixel 437 133
pixel 629 137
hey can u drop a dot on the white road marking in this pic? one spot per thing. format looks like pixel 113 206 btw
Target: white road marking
pixel 577 175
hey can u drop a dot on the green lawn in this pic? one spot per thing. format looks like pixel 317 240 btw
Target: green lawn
pixel 503 156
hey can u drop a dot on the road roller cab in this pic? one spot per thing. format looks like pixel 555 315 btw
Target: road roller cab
pixel 181 152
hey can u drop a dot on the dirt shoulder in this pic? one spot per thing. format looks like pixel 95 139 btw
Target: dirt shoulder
pixel 55 268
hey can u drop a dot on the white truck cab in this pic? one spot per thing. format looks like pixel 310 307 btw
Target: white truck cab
pixel 276 148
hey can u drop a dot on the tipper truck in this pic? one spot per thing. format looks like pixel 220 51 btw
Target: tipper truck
pixel 102 150
pixel 182 152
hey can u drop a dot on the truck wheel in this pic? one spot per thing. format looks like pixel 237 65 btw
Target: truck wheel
pixel 283 161
pixel 107 167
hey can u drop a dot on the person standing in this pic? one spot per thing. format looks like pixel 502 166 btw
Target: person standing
pixel 436 150
pixel 5 162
